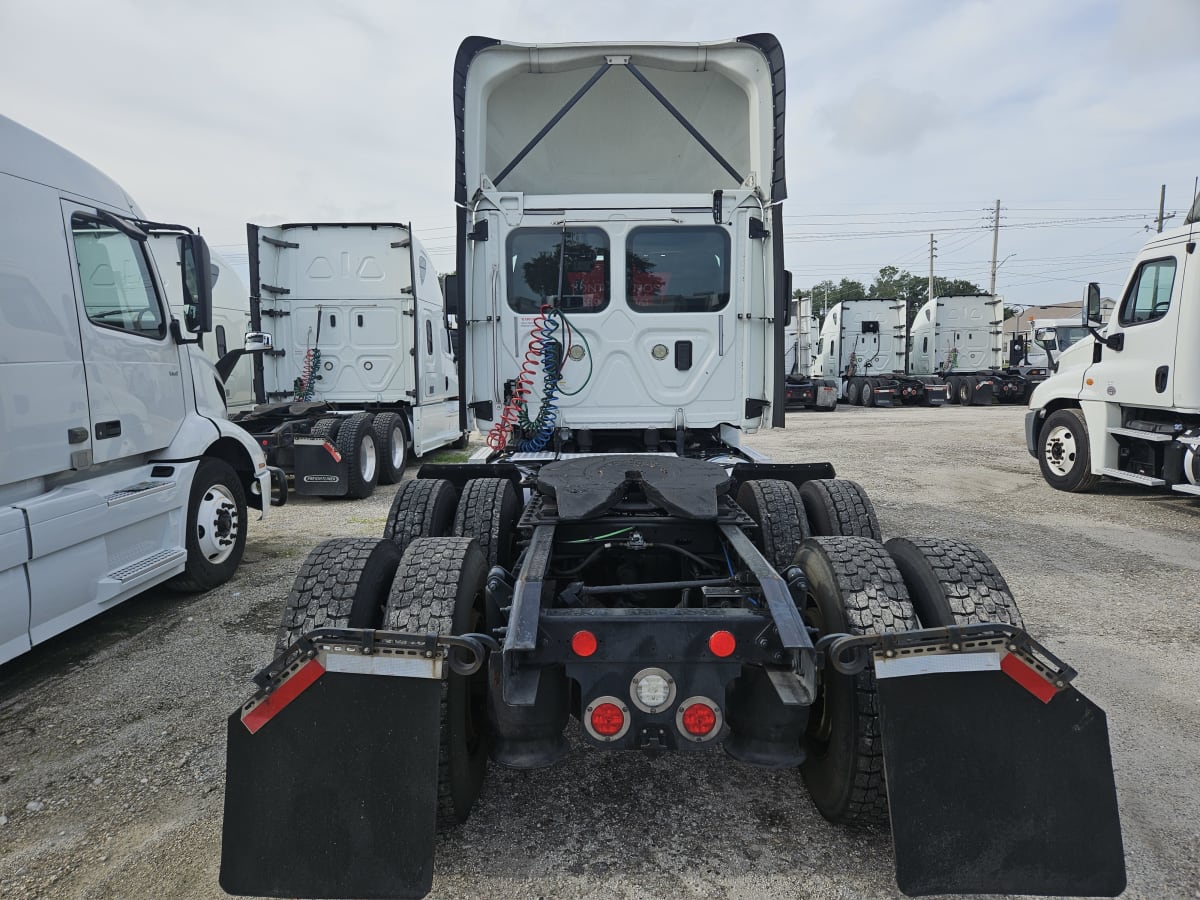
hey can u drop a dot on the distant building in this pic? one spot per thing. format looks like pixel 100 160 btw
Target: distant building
pixel 1069 310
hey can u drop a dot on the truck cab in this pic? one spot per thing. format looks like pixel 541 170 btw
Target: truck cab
pixel 119 469
pixel 1126 403
pixel 662 264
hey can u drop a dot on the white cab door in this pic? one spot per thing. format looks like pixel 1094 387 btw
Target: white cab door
pixel 132 365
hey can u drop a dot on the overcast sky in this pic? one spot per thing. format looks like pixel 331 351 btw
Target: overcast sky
pixel 903 118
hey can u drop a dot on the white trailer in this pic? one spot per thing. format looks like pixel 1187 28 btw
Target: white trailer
pixel 863 346
pixel 1126 403
pixel 362 368
pixel 230 314
pixel 118 468
pixel 959 339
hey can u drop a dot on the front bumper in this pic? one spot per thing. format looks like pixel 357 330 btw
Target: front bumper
pixel 1031 429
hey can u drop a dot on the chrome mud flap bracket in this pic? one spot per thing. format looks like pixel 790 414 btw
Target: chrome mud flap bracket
pixel 332 768
pixel 999 773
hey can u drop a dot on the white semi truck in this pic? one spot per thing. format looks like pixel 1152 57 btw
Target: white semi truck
pixel 618 564
pixel 862 344
pixel 960 340
pixel 118 467
pixel 1126 403
pixel 801 386
pixel 362 367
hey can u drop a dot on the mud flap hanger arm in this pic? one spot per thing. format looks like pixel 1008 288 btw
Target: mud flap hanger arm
pixel 849 654
pixel 367 641
pixel 654 92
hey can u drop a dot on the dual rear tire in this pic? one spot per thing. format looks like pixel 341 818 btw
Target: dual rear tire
pixel 858 586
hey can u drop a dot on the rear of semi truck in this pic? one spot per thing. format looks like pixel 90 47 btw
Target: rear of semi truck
pixel 361 373
pixel 616 561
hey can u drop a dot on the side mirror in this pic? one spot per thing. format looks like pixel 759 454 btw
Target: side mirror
pixel 1047 336
pixel 258 342
pixel 450 289
pixel 1092 311
pixel 196 267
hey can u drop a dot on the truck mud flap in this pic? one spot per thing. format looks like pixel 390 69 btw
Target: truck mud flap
pixel 999 773
pixel 331 772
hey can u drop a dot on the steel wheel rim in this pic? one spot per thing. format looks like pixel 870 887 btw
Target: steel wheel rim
pixel 398 448
pixel 1060 450
pixel 217 524
pixel 366 458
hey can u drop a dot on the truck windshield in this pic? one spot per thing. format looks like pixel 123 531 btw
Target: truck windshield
pixel 673 269
pixel 536 259
pixel 1066 335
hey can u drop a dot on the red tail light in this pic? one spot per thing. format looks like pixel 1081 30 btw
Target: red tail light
pixel 583 643
pixel 607 719
pixel 722 643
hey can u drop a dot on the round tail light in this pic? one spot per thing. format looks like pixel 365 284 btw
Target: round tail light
pixel 699 719
pixel 583 643
pixel 722 643
pixel 606 718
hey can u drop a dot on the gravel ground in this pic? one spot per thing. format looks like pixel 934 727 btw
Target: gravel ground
pixel 112 736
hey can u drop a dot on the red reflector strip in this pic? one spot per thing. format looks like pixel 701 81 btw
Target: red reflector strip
pixel 337 457
pixel 282 696
pixel 1027 677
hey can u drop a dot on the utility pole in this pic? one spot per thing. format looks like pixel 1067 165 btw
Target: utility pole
pixel 932 254
pixel 1162 203
pixel 995 247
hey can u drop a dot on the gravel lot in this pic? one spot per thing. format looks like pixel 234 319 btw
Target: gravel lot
pixel 112 736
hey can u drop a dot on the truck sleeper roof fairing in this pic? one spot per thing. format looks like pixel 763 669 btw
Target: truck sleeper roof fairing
pixel 622 125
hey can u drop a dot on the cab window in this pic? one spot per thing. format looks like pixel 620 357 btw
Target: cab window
pixel 670 269
pixel 538 257
pixel 118 290
pixel 1149 296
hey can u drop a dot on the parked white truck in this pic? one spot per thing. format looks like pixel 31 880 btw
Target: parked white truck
pixel 118 467
pixel 863 345
pixel 960 340
pixel 617 563
pixel 802 388
pixel 362 369
pixel 1126 404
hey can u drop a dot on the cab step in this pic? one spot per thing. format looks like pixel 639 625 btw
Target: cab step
pixel 1147 480
pixel 120 581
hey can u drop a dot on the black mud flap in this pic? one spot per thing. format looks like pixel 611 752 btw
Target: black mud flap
pixel 999 777
pixel 334 791
pixel 319 469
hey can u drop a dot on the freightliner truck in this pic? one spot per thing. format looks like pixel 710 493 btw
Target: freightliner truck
pixel 616 560
pixel 362 368
pixel 1125 403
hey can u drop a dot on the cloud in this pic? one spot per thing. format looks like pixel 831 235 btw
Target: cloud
pixel 880 119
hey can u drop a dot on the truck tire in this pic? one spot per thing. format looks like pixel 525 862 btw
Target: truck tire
pixel 327 428
pixel 1064 453
pixel 438 589
pixel 356 444
pixel 853 588
pixel 423 507
pixel 854 391
pixel 488 511
pixel 867 395
pixel 953 583
pixel 215 533
pixel 951 391
pixel 343 583
pixel 966 391
pixel 392 444
pixel 782 523
pixel 836 506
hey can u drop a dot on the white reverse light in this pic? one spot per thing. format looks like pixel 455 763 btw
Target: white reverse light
pixel 652 690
